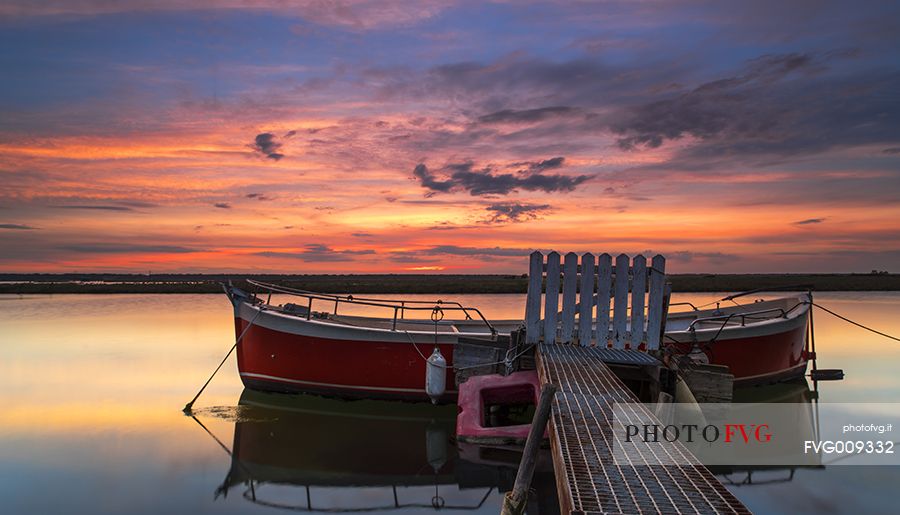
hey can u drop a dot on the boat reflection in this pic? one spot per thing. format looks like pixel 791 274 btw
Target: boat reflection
pixel 309 453
pixel 807 424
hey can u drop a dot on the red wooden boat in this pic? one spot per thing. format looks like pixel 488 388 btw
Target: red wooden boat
pixel 762 342
pixel 294 348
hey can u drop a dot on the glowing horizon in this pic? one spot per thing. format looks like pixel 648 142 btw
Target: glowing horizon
pixel 455 137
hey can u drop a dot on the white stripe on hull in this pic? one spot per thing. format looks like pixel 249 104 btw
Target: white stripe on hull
pixel 335 331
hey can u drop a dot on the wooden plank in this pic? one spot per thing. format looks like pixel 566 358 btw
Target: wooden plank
pixel 638 289
pixel 709 383
pixel 604 288
pixel 570 283
pixel 655 311
pixel 551 297
pixel 620 308
pixel 585 327
pixel 533 298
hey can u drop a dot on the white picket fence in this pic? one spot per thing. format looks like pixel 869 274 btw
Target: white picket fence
pixel 600 282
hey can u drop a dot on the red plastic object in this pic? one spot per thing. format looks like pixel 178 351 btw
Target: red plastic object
pixel 481 391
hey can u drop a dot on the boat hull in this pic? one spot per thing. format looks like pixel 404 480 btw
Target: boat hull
pixel 288 353
pixel 763 354
pixel 293 355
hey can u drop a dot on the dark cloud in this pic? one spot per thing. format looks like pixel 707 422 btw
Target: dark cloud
pixel 710 109
pixel 463 177
pixel 96 207
pixel 318 253
pixel 362 234
pixel 266 145
pixel 137 203
pixel 414 258
pixel 507 212
pixel 538 166
pixel 455 250
pixel 892 150
pixel 490 86
pixel 450 226
pixel 17 227
pixel 810 221
pixel 258 196
pixel 222 205
pixel 547 164
pixel 125 248
pixel 778 106
pixel 427 180
pixel 529 115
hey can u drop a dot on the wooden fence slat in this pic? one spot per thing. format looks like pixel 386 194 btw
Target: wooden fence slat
pixel 533 298
pixel 604 288
pixel 585 314
pixel 638 289
pixel 551 297
pixel 570 283
pixel 620 308
pixel 655 302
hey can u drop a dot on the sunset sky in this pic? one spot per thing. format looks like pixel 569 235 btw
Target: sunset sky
pixel 455 136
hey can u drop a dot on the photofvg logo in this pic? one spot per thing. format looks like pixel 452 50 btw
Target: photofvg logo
pixel 778 434
pixel 730 433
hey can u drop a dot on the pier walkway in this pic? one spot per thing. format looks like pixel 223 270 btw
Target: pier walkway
pixel 596 326
pixel 581 434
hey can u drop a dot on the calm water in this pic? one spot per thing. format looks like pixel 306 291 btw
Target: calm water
pixel 92 388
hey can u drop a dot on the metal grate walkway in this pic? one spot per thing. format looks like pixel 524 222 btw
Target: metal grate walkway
pixel 588 479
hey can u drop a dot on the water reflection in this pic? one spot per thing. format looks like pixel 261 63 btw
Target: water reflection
pixel 805 427
pixel 297 451
pixel 92 389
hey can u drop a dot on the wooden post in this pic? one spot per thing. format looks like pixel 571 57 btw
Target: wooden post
pixel 638 289
pixel 533 299
pixel 655 308
pixel 604 287
pixel 585 313
pixel 551 297
pixel 570 283
pixel 620 308
pixel 514 501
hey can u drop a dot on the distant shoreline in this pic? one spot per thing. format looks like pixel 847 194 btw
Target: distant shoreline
pixel 408 283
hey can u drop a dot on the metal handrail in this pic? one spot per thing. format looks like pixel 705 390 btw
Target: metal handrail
pixel 250 495
pixel 351 298
pixel 786 287
pixel 397 306
pixel 728 317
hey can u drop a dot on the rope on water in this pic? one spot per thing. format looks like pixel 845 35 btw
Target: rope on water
pixel 188 406
pixel 857 324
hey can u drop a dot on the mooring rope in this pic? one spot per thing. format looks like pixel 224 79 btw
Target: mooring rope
pixel 504 361
pixel 188 406
pixel 857 324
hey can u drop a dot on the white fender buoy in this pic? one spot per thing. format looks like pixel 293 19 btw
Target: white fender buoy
pixel 436 446
pixel 436 375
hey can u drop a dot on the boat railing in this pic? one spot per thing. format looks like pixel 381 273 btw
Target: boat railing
pixel 437 503
pixel 725 318
pixel 399 307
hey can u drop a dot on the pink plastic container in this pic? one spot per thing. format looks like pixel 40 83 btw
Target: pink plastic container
pixel 481 391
